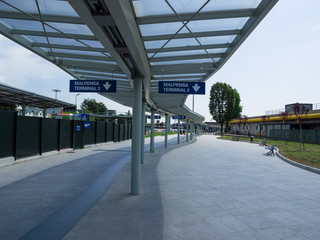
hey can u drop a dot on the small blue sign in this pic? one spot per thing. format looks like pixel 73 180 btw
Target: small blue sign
pixel 84 117
pixel 87 125
pixel 155 117
pixel 179 117
pixel 93 86
pixel 176 87
pixel 78 128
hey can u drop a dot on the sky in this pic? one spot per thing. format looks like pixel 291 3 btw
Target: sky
pixel 278 64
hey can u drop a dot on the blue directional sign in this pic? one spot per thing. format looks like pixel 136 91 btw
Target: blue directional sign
pixel 155 117
pixel 179 117
pixel 175 87
pixel 93 86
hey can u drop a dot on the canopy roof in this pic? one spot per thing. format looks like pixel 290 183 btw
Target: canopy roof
pixel 171 40
pixel 13 95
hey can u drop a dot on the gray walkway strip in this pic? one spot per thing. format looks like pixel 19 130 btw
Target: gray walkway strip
pixel 60 223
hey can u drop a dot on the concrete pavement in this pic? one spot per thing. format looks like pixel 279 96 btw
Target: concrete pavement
pixel 206 189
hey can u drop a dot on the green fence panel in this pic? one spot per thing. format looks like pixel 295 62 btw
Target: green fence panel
pixel 116 137
pixel 89 132
pixel 66 134
pixel 28 136
pixel 78 134
pixel 293 135
pixel 130 131
pixel 7 133
pixel 121 132
pixel 126 135
pixel 101 132
pixel 110 132
pixel 50 134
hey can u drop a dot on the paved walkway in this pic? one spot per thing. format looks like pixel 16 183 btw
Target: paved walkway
pixel 207 189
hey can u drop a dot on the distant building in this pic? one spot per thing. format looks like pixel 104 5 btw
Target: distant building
pixel 263 125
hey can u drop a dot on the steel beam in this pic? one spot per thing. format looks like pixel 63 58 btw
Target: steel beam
pixel 189 48
pixel 187 57
pixel 189 35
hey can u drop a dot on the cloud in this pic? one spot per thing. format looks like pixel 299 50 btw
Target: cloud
pixel 3 79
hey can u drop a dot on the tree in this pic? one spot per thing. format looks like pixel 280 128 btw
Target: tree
pixel 301 112
pixel 92 106
pixel 224 103
pixel 8 106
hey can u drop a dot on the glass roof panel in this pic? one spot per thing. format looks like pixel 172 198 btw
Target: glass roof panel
pixel 22 24
pixel 173 43
pixel 69 28
pixel 217 39
pixel 52 7
pixel 218 5
pixel 161 28
pixel 155 7
pixel 217 24
pixel 187 52
pixel 65 41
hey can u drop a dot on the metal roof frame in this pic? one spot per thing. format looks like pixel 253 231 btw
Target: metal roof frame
pixel 132 53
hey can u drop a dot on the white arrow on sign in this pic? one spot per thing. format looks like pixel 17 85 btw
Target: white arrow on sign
pixel 107 85
pixel 196 87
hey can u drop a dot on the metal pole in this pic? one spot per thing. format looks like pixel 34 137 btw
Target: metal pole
pixel 191 130
pixel 23 109
pixel 136 136
pixel 178 131
pixel 152 132
pixel 44 112
pixel 166 131
pixel 143 130
pixel 187 139
pixel 193 102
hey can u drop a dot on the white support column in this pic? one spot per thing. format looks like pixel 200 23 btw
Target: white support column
pixel 136 136
pixel 178 141
pixel 191 130
pixel 143 129
pixel 166 131
pixel 187 130
pixel 152 132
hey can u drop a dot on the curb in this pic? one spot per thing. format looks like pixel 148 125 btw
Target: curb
pixel 305 167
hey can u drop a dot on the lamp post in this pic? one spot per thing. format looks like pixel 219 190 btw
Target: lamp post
pixel 76 101
pixel 56 92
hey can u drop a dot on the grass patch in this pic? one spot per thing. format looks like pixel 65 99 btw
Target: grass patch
pixel 310 156
pixel 159 134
